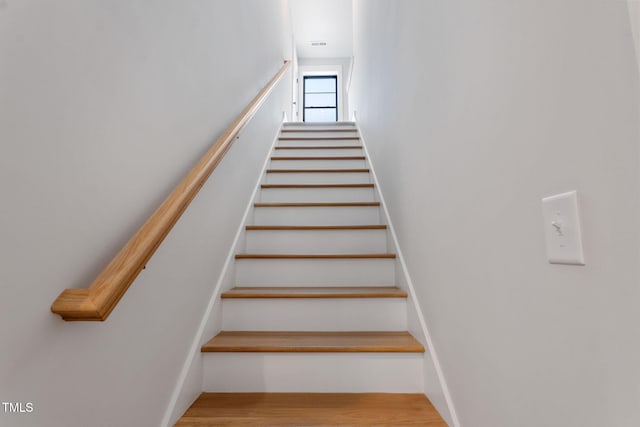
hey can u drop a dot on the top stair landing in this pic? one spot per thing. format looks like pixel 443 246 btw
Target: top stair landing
pixel 310 126
pixel 340 133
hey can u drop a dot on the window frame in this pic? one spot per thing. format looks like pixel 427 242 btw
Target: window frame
pixel 334 77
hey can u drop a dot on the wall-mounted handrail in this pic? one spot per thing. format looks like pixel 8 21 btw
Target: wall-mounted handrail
pixel 98 300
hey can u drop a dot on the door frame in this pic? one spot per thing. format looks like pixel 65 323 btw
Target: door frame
pixel 321 70
pixel 304 99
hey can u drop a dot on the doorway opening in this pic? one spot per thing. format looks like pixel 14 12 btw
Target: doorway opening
pixel 320 98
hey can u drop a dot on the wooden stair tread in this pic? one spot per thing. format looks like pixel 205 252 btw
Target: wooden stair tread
pixel 311 409
pixel 315 292
pixel 318 147
pixel 314 227
pixel 318 158
pixel 312 186
pixel 315 204
pixel 315 256
pixel 315 342
pixel 319 138
pixel 317 170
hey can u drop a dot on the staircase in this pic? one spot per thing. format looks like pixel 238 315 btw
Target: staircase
pixel 315 325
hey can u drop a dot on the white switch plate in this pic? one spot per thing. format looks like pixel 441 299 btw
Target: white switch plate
pixel 562 229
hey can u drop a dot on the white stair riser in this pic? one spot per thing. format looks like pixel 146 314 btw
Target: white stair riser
pixel 310 140
pixel 342 124
pixel 317 215
pixel 319 134
pixel 316 241
pixel 317 164
pixel 318 178
pixel 348 194
pixel 315 272
pixel 318 126
pixel 319 152
pixel 314 372
pixel 314 314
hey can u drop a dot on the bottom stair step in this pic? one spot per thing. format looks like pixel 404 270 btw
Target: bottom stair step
pixel 311 409
pixel 313 362
pixel 310 341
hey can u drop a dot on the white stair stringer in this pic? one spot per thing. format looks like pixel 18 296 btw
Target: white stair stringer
pixel 314 372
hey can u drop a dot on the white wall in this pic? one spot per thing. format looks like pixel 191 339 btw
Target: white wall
pixel 634 17
pixel 104 106
pixel 473 111
pixel 323 20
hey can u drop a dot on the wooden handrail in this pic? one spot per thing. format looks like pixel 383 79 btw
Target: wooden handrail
pixel 97 301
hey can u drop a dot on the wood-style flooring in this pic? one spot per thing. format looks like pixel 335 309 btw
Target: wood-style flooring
pixel 311 409
pixel 314 341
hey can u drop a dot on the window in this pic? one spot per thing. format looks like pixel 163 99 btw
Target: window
pixel 320 99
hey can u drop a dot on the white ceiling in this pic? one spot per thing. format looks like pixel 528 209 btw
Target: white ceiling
pixel 329 21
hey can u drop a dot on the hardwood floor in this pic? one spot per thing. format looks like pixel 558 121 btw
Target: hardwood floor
pixel 311 409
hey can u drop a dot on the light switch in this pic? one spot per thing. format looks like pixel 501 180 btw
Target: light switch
pixel 562 229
